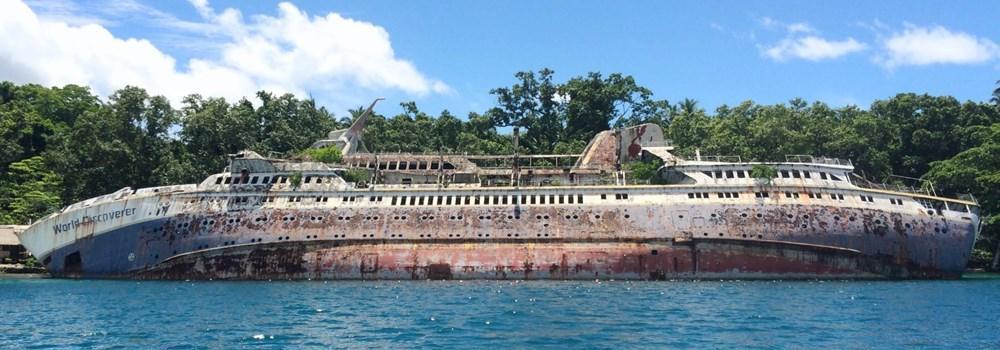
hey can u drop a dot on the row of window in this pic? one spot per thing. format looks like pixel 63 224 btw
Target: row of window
pixel 253 180
pixel 787 174
pixel 537 199
pixel 488 200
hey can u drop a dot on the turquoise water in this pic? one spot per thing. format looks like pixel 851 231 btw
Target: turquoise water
pixel 47 313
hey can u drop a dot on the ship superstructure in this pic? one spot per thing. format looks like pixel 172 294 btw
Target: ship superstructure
pixel 436 216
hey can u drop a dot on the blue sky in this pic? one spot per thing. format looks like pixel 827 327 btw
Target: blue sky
pixel 449 54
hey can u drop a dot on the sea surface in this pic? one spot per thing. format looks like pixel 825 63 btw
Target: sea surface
pixel 52 313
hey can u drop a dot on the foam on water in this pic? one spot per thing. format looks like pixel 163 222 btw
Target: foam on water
pixel 46 313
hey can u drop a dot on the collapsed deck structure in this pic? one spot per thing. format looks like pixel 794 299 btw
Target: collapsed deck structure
pixel 437 216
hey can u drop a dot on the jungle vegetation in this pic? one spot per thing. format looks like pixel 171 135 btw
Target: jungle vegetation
pixel 59 145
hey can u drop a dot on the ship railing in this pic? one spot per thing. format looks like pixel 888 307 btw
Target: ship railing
pixel 805 158
pixel 892 187
pixel 721 159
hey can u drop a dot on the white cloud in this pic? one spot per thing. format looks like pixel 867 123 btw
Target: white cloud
pixel 812 48
pixel 800 27
pixel 917 46
pixel 290 52
pixel 802 41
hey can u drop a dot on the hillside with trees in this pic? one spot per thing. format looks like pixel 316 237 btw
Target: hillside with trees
pixel 60 145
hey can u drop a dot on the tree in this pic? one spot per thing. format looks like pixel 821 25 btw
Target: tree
pixel 325 154
pixel 996 94
pixel 28 190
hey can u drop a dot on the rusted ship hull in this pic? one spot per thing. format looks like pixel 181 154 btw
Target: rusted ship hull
pixel 698 258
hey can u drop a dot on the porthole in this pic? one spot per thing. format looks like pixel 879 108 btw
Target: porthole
pixel 836 218
pixel 597 216
pixel 805 217
pixel 627 216
pixel 791 216
pixel 804 225
pixel 705 234
pixel 743 215
pixel 680 216
pixel 713 215
pixel 878 222
pixel 852 218
pixel 720 234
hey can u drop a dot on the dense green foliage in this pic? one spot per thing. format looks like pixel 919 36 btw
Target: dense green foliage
pixel 325 154
pixel 763 173
pixel 63 144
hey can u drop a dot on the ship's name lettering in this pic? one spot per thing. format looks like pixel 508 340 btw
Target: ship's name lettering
pixel 102 217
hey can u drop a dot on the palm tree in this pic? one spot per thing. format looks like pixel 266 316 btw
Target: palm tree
pixel 689 106
pixel 996 94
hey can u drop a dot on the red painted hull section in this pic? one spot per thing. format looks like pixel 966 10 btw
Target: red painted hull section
pixel 636 260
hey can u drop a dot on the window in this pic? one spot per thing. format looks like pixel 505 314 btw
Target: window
pixel 218 180
pixel 477 200
pixel 834 177
pixel 524 199
pixel 308 179
pixel 266 180
pixel 822 175
pixel 708 173
pixel 440 200
pixel 513 199
pixel 791 195
pixel 805 174
pixel 741 174
pixel 504 198
pixel 570 198
pixel 690 195
pixel 496 200
pixel 761 194
pixel 467 199
pixel 604 196
pixel 721 195
pixel 618 196
pixel 795 174
pixel 413 200
pixel 541 199
pixel 420 201
pixel 718 174
pixel 532 199
pixel 448 201
pixel 284 179
pixel 227 180
pixel 393 200
pixel 784 173
pixel 579 199
pixel 729 174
